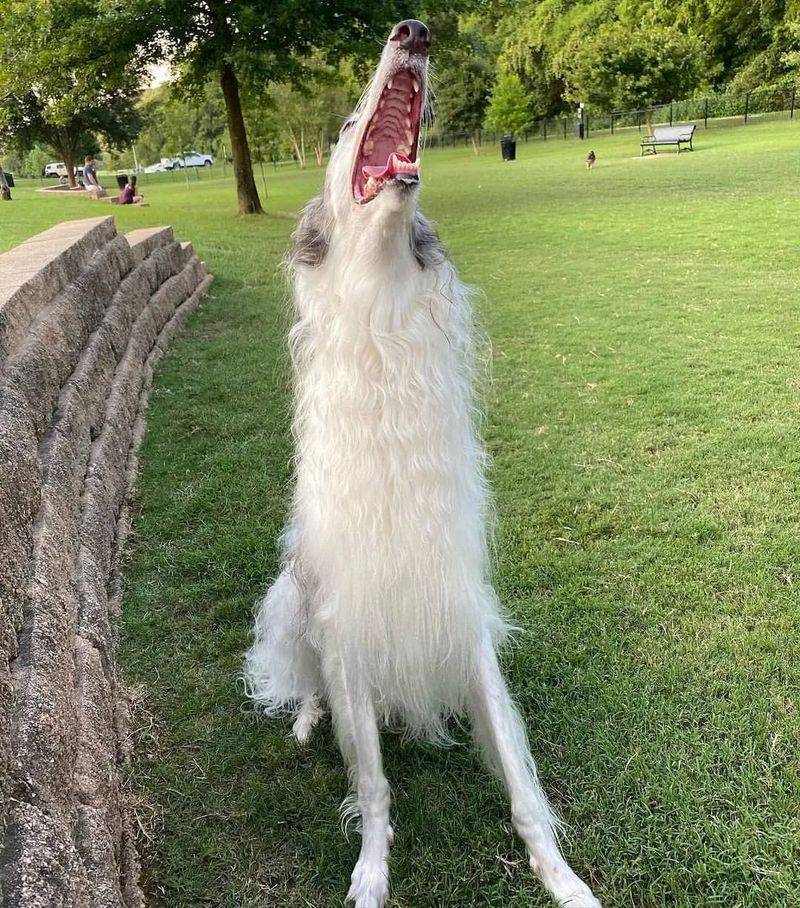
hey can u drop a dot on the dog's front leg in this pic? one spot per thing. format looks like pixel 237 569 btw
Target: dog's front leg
pixel 356 725
pixel 499 732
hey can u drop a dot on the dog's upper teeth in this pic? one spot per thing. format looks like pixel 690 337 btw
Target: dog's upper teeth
pixel 368 146
pixel 408 122
pixel 415 84
pixel 390 82
pixel 409 136
pixel 408 107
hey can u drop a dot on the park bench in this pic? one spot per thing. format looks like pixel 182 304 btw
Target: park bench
pixel 669 135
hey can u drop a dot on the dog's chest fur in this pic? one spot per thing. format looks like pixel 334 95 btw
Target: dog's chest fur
pixel 390 499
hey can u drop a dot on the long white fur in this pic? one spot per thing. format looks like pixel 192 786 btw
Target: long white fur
pixel 384 606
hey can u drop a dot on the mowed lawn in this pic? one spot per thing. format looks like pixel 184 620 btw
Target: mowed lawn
pixel 644 423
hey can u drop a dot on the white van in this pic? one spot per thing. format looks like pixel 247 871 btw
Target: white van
pixel 55 169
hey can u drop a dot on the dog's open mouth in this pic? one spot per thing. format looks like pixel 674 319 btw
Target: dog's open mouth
pixel 388 151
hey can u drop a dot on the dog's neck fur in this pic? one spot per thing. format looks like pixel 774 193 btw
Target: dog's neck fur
pixel 385 243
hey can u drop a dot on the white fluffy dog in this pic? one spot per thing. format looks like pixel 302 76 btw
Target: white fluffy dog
pixel 384 607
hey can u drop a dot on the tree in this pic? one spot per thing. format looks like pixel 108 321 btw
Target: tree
pixel 620 68
pixel 614 53
pixel 66 74
pixel 778 64
pixel 465 75
pixel 252 44
pixel 311 114
pixel 509 106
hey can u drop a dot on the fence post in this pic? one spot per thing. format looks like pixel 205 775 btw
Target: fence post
pixel 544 130
pixel 565 128
pixel 612 124
pixel 586 131
pixel 746 106
pixel 705 114
pixel 791 109
pixel 670 113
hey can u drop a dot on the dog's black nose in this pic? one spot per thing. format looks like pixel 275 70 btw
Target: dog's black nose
pixel 412 35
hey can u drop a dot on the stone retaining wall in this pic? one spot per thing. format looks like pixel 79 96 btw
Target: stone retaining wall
pixel 85 315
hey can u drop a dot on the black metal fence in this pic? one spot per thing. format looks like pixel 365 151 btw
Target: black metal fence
pixel 713 111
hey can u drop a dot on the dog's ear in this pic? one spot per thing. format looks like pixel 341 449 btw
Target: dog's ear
pixel 311 238
pixel 425 243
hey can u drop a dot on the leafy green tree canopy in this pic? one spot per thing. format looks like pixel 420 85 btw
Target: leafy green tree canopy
pixel 617 68
pixel 465 73
pixel 67 72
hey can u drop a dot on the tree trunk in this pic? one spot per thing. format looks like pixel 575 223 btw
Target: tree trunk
pixel 475 146
pixel 299 152
pixel 249 202
pixel 69 160
pixel 65 144
pixel 5 192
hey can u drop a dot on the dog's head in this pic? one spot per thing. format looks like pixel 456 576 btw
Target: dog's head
pixel 372 178
pixel 375 164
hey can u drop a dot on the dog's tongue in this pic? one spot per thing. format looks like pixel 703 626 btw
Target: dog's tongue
pixel 396 163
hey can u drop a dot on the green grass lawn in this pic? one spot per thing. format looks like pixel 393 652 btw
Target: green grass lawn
pixel 645 320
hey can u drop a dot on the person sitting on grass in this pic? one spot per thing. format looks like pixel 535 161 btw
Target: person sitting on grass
pixel 91 182
pixel 130 194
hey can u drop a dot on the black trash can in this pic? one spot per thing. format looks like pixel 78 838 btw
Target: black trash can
pixel 122 180
pixel 508 145
pixel 9 179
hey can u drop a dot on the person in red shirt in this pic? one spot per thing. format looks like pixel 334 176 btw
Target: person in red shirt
pixel 130 195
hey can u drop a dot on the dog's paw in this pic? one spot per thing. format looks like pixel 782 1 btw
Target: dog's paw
pixel 369 886
pixel 306 721
pixel 583 899
pixel 565 886
pixel 302 728
pixel 576 894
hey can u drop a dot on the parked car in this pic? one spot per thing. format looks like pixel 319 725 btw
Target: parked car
pixel 192 159
pixel 58 169
pixel 55 169
pixel 159 166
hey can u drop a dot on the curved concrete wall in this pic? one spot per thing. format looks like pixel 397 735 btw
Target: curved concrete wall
pixel 85 315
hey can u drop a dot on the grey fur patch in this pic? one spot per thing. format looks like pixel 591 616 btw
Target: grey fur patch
pixel 311 237
pixel 425 243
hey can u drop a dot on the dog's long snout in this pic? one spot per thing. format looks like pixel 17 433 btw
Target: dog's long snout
pixel 412 35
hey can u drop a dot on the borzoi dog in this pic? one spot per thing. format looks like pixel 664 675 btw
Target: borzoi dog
pixel 384 608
